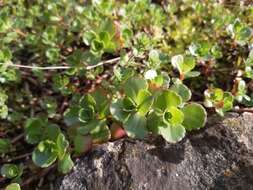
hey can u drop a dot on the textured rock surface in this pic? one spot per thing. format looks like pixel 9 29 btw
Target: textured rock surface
pixel 217 157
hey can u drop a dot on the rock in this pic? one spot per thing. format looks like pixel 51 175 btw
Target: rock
pixel 220 156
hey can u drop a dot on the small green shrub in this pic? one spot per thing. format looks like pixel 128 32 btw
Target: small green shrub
pixel 75 74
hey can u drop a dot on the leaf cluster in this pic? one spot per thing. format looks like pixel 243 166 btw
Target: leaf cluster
pixel 124 68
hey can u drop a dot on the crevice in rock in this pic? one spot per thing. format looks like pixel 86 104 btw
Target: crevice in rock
pixel 122 169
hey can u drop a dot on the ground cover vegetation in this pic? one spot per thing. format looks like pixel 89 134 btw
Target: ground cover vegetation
pixel 75 74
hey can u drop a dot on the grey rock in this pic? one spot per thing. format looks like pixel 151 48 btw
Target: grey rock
pixel 218 157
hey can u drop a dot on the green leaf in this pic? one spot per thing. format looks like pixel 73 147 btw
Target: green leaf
pixel 101 133
pixel 154 121
pixel 172 133
pixel 128 104
pixel 241 90
pixel 77 57
pixel 216 51
pixel 105 38
pixel 142 95
pixel 13 186
pixel 5 146
pixel 117 111
pixel 173 116
pixel 154 57
pixel 244 34
pixel 87 128
pixel 45 154
pixel 191 74
pixel 167 99
pixel 102 103
pixel 177 62
pixel 135 126
pixel 34 130
pixel 62 145
pixel 52 55
pixel 3 112
pixel 97 46
pixel 217 94
pixel 86 114
pixel 249 61
pixel 71 116
pixel 158 81
pixel 183 91
pixel 88 37
pixel 194 116
pixel 144 101
pixel 87 100
pixel 65 164
pixel 5 55
pixel 189 64
pixel 213 96
pixel 220 100
pixel 50 104
pixel 127 34
pixel 107 24
pixel 146 105
pixel 228 101
pixel 82 143
pixel 132 87
pixel 183 64
pixel 52 131
pixel 10 171
pixel 38 129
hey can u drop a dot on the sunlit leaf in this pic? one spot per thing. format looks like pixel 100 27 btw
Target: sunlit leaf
pixel 82 143
pixel 65 164
pixel 183 91
pixel 117 111
pixel 172 133
pixel 13 186
pixel 167 99
pixel 194 116
pixel 132 87
pixel 135 126
pixel 62 145
pixel 45 154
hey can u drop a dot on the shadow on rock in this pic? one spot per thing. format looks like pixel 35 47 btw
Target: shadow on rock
pixel 171 153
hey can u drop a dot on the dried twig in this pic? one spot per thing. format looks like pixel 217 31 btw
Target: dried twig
pixel 40 68
pixel 17 138
pixel 111 61
pixel 241 110
pixel 17 158
pixel 39 175
pixel 63 67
